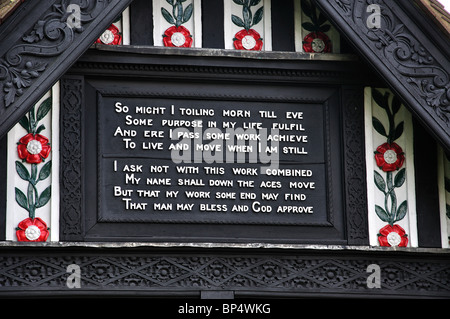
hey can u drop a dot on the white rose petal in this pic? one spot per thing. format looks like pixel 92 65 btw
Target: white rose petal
pixel 178 39
pixel 318 45
pixel 107 37
pixel 32 232
pixel 248 42
pixel 393 239
pixel 34 147
pixel 390 156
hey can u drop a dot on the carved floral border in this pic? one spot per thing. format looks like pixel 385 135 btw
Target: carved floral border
pixel 33 150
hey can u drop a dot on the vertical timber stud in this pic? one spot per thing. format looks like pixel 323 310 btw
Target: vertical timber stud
pixel 141 32
pixel 71 179
pixel 354 167
pixel 427 198
pixel 3 171
pixel 283 26
pixel 212 26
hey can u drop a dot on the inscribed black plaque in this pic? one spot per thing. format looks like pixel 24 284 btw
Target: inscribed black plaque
pixel 193 161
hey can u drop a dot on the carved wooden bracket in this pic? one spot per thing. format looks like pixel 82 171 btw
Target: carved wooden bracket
pixel 43 41
pixel 403 52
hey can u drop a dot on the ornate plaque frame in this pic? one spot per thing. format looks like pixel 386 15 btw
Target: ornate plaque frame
pixel 243 79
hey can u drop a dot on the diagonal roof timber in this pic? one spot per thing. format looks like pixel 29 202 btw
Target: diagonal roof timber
pixel 403 52
pixel 44 38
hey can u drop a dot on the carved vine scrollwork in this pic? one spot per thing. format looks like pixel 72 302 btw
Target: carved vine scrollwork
pixel 50 36
pixel 403 53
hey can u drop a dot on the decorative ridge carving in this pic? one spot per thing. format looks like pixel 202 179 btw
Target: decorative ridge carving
pixel 403 53
pixel 38 56
pixel 247 273
pixel 51 35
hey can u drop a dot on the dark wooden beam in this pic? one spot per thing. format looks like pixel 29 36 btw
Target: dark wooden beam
pixel 40 41
pixel 402 51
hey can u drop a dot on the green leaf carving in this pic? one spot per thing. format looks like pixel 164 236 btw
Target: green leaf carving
pixel 254 2
pixel 25 123
pixel 380 99
pixel 379 181
pixel 21 199
pixel 317 21
pixel 378 126
pixel 22 171
pixel 258 15
pixel 401 211
pixel 308 26
pixel 167 16
pixel 237 21
pixel 400 178
pixel 188 12
pixel 45 171
pixel 398 131
pixel 382 214
pixel 45 197
pixel 43 109
pixel 396 104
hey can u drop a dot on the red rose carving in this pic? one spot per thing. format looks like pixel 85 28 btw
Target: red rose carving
pixel 389 157
pixel 177 37
pixel 33 148
pixel 248 40
pixel 317 42
pixel 111 36
pixel 392 236
pixel 32 230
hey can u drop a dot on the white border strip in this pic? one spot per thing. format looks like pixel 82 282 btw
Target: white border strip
pixel 369 165
pixel 54 204
pixel 410 179
pixel 442 199
pixel 126 38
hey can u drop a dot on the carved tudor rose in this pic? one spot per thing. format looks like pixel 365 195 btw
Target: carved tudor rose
pixel 32 229
pixel 317 42
pixel 393 236
pixel 177 37
pixel 248 40
pixel 33 148
pixel 111 36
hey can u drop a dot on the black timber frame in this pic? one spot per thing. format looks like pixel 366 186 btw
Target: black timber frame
pixel 408 273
